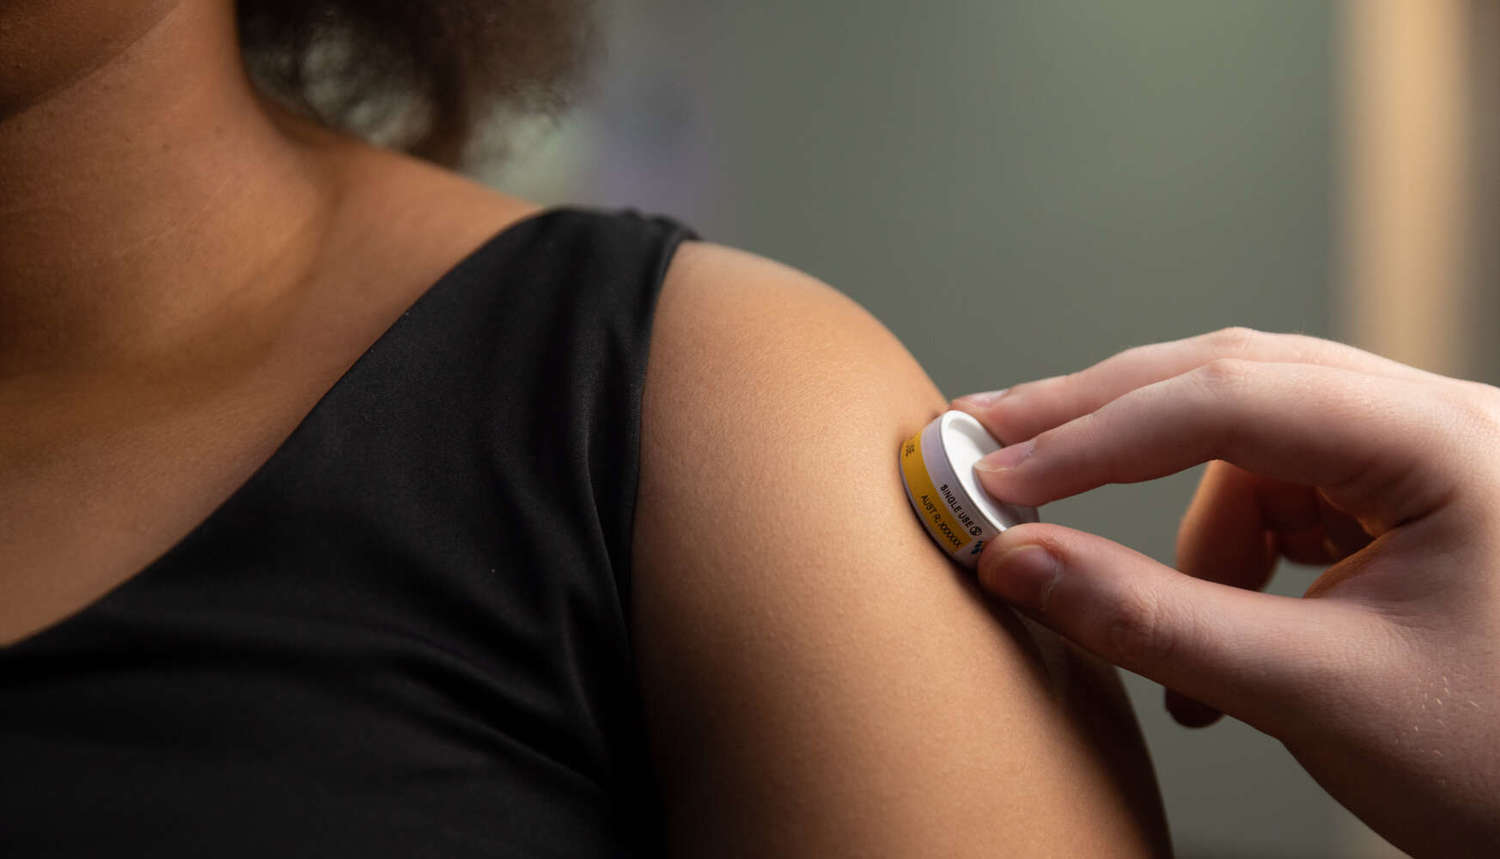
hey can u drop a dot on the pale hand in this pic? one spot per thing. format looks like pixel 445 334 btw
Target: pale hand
pixel 1384 679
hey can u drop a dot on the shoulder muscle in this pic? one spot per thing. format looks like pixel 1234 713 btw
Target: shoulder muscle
pixel 818 679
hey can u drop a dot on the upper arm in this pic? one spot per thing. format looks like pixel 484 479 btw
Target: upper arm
pixel 818 678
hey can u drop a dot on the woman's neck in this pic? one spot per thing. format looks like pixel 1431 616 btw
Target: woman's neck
pixel 148 199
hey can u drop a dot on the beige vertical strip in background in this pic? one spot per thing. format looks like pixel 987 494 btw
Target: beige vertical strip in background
pixel 1405 209
pixel 1405 153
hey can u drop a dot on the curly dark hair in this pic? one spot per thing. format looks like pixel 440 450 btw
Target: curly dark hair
pixel 419 76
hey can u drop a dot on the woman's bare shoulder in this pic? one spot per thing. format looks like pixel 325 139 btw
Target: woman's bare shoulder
pixel 397 211
pixel 819 680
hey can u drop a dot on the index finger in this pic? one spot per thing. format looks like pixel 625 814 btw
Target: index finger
pixel 1366 441
pixel 1034 407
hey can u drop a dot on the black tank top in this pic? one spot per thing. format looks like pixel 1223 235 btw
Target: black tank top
pixel 407 633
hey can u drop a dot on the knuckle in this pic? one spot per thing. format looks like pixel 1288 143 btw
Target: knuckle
pixel 1235 340
pixel 1472 411
pixel 1482 402
pixel 1223 376
pixel 1134 632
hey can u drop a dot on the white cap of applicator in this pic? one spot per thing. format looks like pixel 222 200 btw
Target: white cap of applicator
pixel 937 468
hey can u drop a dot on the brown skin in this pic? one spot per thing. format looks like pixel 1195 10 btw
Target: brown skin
pixel 820 680
pixel 187 270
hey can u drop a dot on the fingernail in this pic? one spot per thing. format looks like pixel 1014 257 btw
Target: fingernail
pixel 981 400
pixel 1025 575
pixel 1006 458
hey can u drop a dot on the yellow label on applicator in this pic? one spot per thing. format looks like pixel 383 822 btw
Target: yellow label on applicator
pixel 937 468
pixel 924 498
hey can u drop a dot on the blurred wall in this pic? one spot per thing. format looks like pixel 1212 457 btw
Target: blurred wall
pixel 1484 93
pixel 1017 189
pixel 1483 357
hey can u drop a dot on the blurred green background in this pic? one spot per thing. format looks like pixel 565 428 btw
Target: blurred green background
pixel 1017 189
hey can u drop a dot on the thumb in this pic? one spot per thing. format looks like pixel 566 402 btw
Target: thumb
pixel 1252 655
